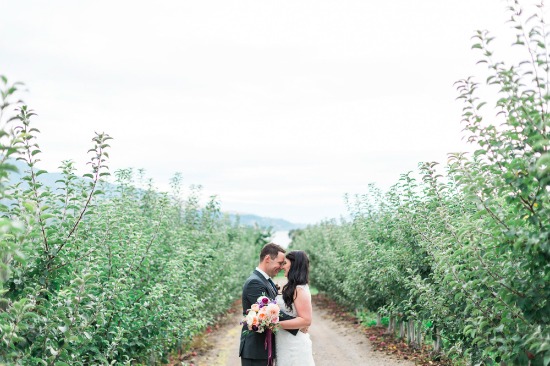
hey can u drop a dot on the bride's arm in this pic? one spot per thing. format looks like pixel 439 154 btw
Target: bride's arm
pixel 302 303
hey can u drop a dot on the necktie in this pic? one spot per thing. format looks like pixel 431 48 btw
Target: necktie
pixel 273 284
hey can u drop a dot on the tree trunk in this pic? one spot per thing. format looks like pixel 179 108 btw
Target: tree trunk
pixel 437 345
pixel 378 320
pixel 410 333
pixel 391 325
pixel 419 335
pixel 402 329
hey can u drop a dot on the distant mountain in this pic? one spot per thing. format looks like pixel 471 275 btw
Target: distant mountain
pixel 49 179
pixel 275 224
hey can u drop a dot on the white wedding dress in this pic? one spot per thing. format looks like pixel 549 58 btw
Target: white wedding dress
pixel 293 350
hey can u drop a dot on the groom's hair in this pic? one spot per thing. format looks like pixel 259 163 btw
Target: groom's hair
pixel 272 250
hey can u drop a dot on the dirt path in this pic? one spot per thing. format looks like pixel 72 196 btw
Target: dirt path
pixel 334 343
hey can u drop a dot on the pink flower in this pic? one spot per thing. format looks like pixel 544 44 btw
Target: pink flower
pixel 273 309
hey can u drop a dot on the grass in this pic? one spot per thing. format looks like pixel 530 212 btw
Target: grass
pixel 369 319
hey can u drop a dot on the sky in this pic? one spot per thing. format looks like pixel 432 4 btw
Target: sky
pixel 278 108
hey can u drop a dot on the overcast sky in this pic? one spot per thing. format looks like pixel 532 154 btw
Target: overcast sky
pixel 276 107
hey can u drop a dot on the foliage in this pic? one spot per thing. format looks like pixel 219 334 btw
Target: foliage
pixel 467 249
pixel 96 273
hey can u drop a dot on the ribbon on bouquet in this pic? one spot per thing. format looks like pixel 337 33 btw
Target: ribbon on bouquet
pixel 268 346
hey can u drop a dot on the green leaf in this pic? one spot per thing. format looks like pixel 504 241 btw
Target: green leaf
pixel 30 206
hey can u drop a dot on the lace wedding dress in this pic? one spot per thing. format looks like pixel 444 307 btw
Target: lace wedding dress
pixel 293 350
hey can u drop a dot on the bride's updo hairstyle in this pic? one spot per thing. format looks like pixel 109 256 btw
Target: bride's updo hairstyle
pixel 297 275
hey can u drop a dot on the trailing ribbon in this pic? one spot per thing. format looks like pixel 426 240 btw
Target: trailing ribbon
pixel 268 346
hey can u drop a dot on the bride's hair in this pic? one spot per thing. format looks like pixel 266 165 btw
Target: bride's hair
pixel 297 275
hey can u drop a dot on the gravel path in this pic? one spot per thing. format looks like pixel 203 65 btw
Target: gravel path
pixel 338 343
pixel 334 343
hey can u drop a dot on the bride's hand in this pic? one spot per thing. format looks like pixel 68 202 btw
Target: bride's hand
pixel 304 330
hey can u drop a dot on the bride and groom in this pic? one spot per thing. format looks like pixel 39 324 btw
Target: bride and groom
pixel 292 342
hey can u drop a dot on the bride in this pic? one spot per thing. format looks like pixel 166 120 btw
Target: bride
pixel 295 350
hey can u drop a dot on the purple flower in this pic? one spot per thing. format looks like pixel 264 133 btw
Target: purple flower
pixel 255 328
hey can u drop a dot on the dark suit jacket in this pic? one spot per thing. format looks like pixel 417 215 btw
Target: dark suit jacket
pixel 253 344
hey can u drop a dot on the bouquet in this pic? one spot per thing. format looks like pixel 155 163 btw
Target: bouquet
pixel 263 316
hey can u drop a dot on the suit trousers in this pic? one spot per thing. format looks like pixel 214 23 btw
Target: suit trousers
pixel 251 362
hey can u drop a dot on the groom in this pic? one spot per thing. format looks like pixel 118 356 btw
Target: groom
pixel 252 348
